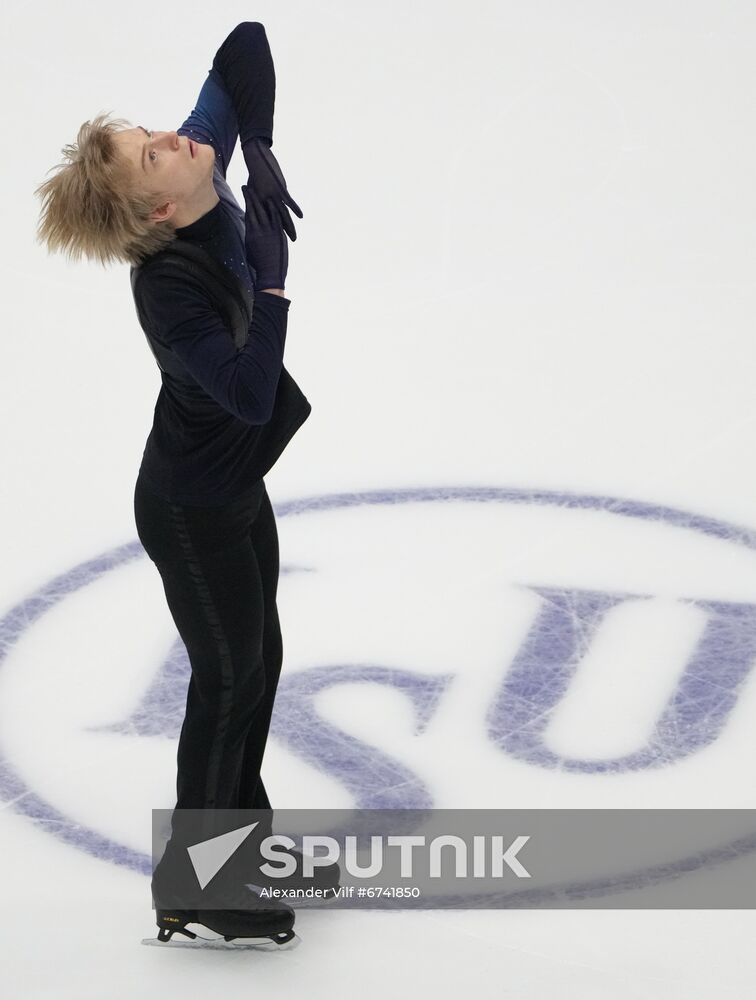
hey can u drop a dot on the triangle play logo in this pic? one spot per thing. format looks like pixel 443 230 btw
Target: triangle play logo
pixel 209 856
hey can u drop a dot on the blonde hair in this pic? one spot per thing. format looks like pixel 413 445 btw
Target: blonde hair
pixel 93 205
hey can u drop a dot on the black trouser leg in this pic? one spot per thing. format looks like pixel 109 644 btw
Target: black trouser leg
pixel 264 537
pixel 219 568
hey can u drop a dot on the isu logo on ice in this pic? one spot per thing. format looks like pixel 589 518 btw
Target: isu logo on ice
pixel 442 647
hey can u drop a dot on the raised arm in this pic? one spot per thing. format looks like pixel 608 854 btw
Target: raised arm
pixel 238 95
pixel 245 66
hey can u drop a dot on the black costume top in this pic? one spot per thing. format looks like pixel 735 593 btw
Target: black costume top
pixel 223 416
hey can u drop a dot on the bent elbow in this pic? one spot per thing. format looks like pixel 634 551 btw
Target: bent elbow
pixel 256 414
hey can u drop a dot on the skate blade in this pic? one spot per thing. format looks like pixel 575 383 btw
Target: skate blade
pixel 219 943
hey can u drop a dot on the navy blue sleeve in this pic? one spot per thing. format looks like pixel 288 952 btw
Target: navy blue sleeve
pixel 213 120
pixel 243 382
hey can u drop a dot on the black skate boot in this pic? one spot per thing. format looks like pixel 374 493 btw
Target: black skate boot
pixel 171 912
pixel 245 920
pixel 267 921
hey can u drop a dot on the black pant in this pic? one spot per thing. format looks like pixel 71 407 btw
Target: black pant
pixel 219 567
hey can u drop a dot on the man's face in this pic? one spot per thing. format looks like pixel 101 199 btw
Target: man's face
pixel 167 162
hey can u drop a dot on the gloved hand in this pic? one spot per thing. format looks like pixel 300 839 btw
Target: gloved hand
pixel 265 242
pixel 267 181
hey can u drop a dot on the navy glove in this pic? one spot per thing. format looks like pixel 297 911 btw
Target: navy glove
pixel 265 242
pixel 267 181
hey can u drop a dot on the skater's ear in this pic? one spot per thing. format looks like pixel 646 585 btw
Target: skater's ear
pixel 163 212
